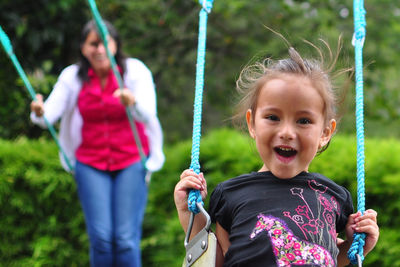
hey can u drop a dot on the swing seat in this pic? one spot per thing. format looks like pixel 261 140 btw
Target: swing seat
pixel 201 251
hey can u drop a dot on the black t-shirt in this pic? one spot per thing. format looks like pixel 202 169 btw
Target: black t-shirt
pixel 281 222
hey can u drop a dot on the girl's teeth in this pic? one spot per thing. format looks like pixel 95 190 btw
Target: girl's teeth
pixel 286 151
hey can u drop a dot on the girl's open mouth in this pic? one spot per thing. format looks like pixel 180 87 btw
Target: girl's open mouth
pixel 285 154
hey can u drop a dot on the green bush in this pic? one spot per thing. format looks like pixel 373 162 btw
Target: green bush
pixel 42 223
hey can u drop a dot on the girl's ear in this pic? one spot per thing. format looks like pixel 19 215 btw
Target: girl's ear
pixel 249 120
pixel 327 133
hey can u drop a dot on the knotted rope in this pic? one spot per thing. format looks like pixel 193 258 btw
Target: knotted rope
pixel 194 195
pixel 357 247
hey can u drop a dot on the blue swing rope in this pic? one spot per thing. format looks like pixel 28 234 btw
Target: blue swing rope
pixel 103 34
pixel 356 251
pixel 194 195
pixel 5 41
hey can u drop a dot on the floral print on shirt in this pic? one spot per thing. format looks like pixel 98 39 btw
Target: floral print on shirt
pixel 314 225
pixel 288 249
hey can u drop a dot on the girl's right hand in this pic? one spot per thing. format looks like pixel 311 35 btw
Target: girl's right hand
pixel 189 180
pixel 38 106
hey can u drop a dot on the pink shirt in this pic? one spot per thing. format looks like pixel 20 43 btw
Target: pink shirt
pixel 107 138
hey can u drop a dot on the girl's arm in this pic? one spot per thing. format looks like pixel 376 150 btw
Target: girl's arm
pixel 343 246
pixel 189 180
pixel 366 223
pixel 223 244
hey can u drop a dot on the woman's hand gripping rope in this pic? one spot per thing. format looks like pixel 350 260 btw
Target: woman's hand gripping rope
pixel 125 96
pixel 37 105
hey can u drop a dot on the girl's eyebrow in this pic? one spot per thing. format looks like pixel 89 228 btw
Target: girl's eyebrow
pixel 273 109
pixel 270 109
pixel 306 112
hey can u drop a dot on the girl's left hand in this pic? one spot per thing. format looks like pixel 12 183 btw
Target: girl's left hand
pixel 125 96
pixel 366 223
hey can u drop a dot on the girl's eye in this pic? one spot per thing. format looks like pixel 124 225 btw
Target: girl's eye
pixel 272 117
pixel 304 121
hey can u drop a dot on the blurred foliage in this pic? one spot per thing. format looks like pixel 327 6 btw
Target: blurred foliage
pixel 164 35
pixel 42 223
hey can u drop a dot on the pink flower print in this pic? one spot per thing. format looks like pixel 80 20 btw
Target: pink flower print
pixel 302 210
pixel 311 227
pixel 298 219
pixel 329 218
pixel 335 204
pixel 319 223
pixel 297 191
pixel 290 250
pixel 277 232
pixel 286 214
pixel 317 187
pixel 283 262
pixel 329 261
pixel 278 242
pixel 269 221
pixel 289 245
pixel 289 237
pixel 297 245
pixel 290 256
pixel 327 205
pixel 300 262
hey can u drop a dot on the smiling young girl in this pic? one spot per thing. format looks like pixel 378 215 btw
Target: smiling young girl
pixel 282 215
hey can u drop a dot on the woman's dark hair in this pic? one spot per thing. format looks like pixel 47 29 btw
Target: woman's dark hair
pixel 83 63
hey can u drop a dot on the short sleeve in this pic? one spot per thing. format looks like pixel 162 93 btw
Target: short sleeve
pixel 219 208
pixel 346 210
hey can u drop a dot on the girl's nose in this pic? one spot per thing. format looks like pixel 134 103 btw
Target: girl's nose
pixel 287 132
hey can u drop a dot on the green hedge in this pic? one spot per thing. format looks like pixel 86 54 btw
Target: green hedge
pixel 41 222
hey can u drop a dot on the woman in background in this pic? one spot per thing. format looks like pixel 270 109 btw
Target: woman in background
pixel 97 138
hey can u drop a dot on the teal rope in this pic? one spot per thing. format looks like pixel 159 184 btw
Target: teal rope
pixel 5 41
pixel 357 247
pixel 194 195
pixel 103 34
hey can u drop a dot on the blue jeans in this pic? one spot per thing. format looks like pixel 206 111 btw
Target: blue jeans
pixel 113 203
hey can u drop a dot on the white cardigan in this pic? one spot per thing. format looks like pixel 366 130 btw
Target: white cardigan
pixel 62 103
